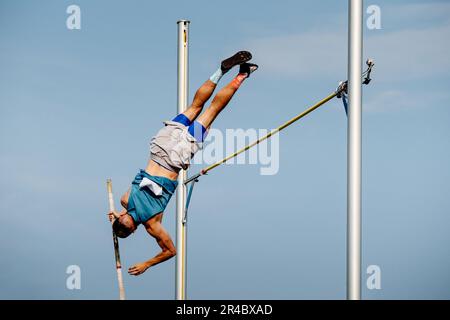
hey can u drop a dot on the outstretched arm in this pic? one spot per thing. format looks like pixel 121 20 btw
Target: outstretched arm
pixel 162 237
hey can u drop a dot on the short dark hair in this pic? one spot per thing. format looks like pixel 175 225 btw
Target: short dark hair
pixel 120 229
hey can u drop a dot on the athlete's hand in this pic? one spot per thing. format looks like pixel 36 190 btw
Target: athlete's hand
pixel 138 269
pixel 112 215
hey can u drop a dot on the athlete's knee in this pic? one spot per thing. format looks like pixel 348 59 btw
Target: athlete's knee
pixel 196 107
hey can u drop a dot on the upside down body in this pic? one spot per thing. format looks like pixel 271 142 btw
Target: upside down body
pixel 171 150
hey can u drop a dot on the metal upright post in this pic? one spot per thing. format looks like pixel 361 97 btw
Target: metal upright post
pixel 181 226
pixel 355 30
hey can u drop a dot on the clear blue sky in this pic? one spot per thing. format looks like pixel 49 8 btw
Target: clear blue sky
pixel 77 107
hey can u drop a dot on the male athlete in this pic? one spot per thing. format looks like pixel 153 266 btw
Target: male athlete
pixel 170 151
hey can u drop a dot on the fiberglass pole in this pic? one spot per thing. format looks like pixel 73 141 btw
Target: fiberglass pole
pixel 355 30
pixel 183 80
pixel 116 243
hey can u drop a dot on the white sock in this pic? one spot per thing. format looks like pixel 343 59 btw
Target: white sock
pixel 216 76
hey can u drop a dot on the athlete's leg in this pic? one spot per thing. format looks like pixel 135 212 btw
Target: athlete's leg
pixel 224 96
pixel 206 90
pixel 201 96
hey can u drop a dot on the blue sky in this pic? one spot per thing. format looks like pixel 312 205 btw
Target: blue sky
pixel 79 106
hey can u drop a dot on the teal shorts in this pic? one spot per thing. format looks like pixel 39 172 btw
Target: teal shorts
pixel 143 203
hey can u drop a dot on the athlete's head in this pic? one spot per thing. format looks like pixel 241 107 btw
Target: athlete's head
pixel 124 226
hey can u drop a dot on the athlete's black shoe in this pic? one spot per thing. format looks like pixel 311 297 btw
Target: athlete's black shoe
pixel 248 68
pixel 238 58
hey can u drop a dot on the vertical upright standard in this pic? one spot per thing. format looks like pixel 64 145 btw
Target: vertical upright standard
pixel 116 243
pixel 181 224
pixel 355 30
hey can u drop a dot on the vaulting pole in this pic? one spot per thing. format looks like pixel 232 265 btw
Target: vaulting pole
pixel 116 243
pixel 181 224
pixel 355 30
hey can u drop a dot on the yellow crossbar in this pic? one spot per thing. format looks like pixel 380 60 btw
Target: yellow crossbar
pixel 267 136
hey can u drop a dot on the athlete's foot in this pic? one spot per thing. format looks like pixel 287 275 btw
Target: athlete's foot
pixel 248 68
pixel 238 58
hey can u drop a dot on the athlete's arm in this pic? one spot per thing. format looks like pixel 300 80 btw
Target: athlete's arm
pixel 162 237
